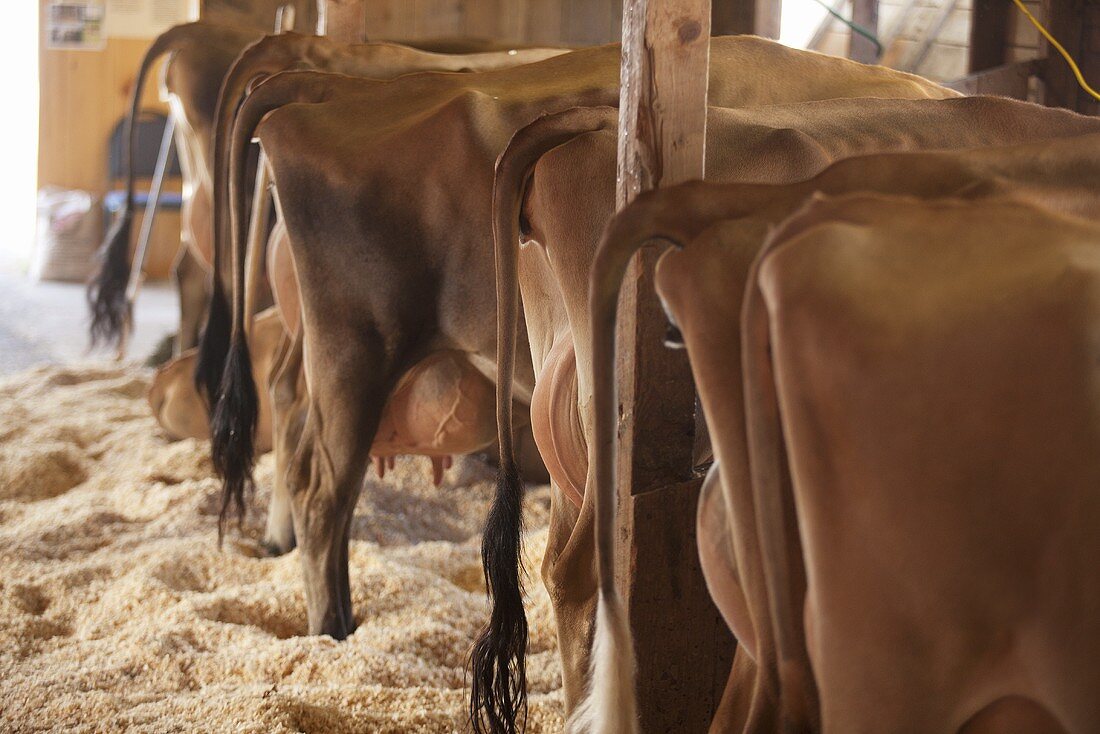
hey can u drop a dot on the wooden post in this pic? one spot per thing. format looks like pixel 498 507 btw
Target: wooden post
pixel 1076 25
pixel 989 33
pixel 343 20
pixel 732 17
pixel 864 14
pixel 683 647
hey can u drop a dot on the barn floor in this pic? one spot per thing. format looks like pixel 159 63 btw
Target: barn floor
pixel 118 611
pixel 46 323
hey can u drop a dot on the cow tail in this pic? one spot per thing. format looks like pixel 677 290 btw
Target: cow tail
pixel 234 417
pixel 497 661
pixel 214 345
pixel 263 58
pixel 106 290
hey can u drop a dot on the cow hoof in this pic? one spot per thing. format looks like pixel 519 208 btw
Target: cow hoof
pixel 163 352
pixel 274 549
pixel 338 631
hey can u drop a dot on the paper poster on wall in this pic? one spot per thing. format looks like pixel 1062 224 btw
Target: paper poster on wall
pixel 144 18
pixel 75 25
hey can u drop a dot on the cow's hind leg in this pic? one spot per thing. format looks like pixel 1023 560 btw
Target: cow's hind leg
pixel 192 284
pixel 569 573
pixel 332 458
pixel 288 407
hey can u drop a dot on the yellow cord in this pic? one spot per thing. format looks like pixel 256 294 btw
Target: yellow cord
pixel 1054 42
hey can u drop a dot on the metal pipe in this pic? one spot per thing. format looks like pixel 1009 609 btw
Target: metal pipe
pixel 137 274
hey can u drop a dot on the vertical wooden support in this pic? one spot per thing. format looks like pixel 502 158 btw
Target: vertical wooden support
pixel 1076 25
pixel 732 17
pixel 343 20
pixel 865 15
pixel 989 34
pixel 682 646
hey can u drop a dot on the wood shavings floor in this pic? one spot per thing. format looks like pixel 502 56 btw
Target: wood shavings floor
pixel 119 613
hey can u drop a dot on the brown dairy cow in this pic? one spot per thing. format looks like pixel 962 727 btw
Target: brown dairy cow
pixel 300 52
pixel 556 179
pixel 920 387
pixel 200 54
pixel 376 61
pixel 388 211
pixel 701 287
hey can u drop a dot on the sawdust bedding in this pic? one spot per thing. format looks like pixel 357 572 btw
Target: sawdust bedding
pixel 119 613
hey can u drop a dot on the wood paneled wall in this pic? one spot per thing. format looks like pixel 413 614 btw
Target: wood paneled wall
pixel 82 95
pixel 257 14
pixel 529 21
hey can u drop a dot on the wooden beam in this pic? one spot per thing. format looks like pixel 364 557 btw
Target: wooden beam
pixel 732 17
pixel 258 14
pixel 865 15
pixel 989 34
pixel 1076 25
pixel 343 20
pixel 1010 80
pixel 683 647
pixel 825 25
pixel 931 35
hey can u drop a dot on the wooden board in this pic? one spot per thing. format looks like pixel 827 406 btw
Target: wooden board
pixel 1010 80
pixel 989 34
pixel 864 14
pixel 344 20
pixel 682 646
pixel 572 22
pixel 1076 24
pixel 258 14
pixel 758 17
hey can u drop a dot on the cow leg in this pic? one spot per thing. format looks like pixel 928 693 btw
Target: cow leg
pixel 192 284
pixel 345 407
pixel 288 407
pixel 321 501
pixel 569 573
pixel 715 542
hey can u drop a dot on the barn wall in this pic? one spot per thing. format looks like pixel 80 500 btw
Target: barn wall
pixel 257 14
pixel 528 21
pixel 83 94
pixel 948 56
